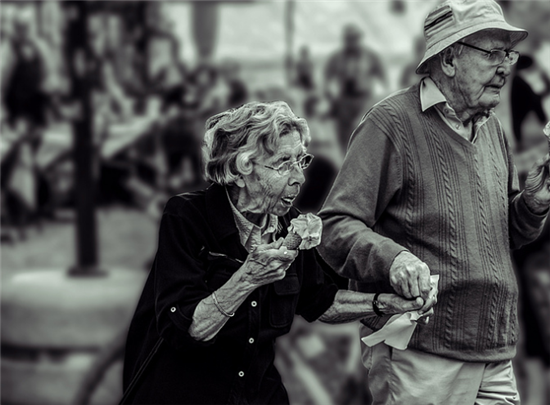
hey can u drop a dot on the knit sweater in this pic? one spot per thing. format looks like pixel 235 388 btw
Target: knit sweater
pixel 409 182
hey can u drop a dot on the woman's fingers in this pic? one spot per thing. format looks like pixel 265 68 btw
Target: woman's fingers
pixel 270 262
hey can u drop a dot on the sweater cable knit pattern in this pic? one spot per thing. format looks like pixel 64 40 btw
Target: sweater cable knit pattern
pixel 451 240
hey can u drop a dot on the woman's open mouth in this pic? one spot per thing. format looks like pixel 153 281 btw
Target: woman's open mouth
pixel 288 200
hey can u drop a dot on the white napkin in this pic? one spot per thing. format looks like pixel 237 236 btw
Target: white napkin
pixel 398 330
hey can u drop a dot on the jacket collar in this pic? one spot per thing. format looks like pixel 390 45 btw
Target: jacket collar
pixel 220 216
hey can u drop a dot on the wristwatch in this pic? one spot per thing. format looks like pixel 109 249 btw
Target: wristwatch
pixel 375 303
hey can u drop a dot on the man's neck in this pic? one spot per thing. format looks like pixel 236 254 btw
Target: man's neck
pixel 454 99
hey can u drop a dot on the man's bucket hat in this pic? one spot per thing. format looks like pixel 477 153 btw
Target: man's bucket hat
pixel 455 19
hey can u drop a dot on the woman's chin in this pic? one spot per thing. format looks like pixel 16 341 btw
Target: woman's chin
pixel 281 209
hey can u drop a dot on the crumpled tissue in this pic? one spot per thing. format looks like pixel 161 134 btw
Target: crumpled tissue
pixel 398 330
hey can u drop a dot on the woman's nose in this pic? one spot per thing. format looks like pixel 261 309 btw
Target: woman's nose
pixel 297 175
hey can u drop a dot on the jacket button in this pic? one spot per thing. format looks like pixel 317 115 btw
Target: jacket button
pixel 173 309
pixel 241 373
pixel 254 303
pixel 251 340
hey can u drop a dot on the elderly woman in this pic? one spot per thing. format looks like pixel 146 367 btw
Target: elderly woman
pixel 223 286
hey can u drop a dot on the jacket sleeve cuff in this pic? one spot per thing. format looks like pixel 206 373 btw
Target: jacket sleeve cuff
pixel 181 318
pixel 321 303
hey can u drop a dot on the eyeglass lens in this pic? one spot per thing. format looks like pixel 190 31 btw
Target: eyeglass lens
pixel 303 163
pixel 498 56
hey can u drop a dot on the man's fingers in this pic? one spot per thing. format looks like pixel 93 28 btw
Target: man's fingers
pixel 397 287
pixel 424 283
pixel 413 288
pixel 428 305
pixel 407 293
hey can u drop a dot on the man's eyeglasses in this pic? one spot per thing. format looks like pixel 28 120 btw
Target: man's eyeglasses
pixel 286 167
pixel 496 56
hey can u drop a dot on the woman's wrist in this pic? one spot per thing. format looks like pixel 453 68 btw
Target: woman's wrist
pixel 243 281
pixel 377 305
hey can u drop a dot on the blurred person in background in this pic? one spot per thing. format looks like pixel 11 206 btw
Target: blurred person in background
pixel 223 286
pixel 533 272
pixel 324 145
pixel 429 186
pixel 304 70
pixel 350 76
pixel 237 90
pixel 25 103
pixel 165 71
pixel 408 74
pixel 529 94
pixel 123 58
pixel 524 101
pixel 210 90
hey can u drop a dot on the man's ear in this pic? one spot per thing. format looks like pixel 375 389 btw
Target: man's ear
pixel 448 62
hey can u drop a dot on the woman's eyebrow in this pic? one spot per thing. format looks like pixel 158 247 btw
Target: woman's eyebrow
pixel 282 158
pixel 287 156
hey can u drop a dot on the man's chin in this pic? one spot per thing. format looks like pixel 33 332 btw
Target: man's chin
pixel 490 101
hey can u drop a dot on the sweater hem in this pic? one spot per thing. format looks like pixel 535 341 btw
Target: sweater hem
pixel 472 356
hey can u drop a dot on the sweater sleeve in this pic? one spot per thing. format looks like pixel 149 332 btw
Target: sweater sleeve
pixel 368 180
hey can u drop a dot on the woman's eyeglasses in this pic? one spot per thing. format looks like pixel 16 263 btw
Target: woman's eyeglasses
pixel 286 167
pixel 496 56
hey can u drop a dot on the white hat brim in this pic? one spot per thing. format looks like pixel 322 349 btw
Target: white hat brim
pixel 457 36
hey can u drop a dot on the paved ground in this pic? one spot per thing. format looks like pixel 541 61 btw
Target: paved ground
pixel 127 238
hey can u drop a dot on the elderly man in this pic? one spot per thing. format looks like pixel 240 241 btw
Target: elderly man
pixel 428 186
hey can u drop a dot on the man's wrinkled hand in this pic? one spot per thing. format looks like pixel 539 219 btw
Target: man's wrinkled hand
pixel 410 277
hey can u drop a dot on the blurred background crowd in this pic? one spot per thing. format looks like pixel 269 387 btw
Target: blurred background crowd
pixel 155 71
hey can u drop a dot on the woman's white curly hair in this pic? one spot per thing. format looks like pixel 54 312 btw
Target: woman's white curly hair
pixel 236 137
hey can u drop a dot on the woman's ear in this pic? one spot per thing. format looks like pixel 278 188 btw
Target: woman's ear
pixel 448 62
pixel 240 181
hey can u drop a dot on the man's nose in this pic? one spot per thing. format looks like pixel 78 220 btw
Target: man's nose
pixel 504 69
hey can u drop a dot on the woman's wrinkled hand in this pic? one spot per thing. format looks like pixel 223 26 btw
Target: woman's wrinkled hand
pixel 267 263
pixel 392 304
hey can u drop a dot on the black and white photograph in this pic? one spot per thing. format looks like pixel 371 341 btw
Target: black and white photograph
pixel 279 202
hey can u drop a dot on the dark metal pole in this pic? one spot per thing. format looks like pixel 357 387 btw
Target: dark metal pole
pixel 79 61
pixel 290 7
pixel 205 27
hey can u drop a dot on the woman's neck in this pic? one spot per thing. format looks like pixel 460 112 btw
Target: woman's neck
pixel 239 200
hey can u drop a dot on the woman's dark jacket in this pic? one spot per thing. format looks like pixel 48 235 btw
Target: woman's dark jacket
pixel 199 249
